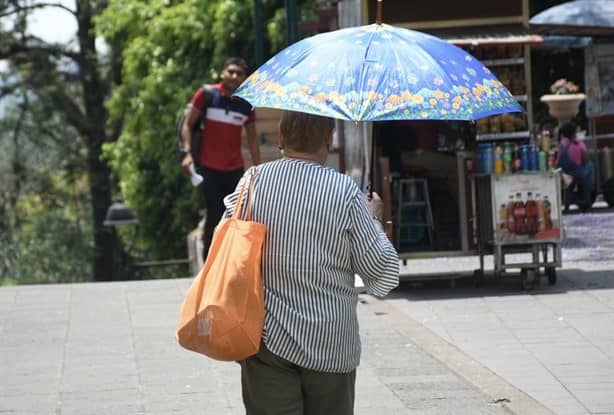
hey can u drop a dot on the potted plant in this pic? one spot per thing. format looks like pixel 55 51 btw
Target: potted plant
pixel 564 100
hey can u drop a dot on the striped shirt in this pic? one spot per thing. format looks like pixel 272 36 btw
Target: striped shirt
pixel 319 235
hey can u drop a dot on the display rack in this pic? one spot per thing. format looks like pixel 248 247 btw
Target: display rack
pixel 511 65
pixel 494 228
pixel 503 136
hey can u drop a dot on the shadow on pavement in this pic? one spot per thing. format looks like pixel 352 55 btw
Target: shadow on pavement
pixel 508 285
pixel 593 210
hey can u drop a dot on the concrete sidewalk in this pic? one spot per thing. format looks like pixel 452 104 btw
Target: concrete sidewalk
pixel 109 348
pixel 555 342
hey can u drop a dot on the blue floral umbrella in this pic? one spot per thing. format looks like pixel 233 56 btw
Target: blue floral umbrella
pixel 376 73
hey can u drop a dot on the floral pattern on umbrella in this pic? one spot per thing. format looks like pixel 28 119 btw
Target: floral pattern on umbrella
pixel 377 73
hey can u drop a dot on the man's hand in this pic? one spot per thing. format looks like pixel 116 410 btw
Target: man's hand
pixel 185 163
pixel 190 122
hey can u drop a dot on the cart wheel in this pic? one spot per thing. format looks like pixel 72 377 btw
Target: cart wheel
pixel 527 278
pixel 478 277
pixel 551 273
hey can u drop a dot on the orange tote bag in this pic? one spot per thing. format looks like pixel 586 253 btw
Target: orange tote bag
pixel 222 315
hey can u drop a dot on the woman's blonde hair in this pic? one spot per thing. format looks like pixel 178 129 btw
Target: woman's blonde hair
pixel 305 133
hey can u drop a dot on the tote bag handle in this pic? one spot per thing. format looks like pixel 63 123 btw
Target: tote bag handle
pixel 239 205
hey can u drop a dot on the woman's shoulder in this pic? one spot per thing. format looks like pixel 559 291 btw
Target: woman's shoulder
pixel 345 182
pixel 343 179
pixel 309 169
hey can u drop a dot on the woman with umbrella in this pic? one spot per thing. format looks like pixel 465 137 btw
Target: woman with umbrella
pixel 321 231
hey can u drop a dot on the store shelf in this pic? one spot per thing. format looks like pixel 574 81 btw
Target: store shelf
pixel 599 137
pixel 503 62
pixel 502 136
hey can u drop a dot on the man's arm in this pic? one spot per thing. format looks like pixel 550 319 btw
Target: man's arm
pixel 192 118
pixel 252 143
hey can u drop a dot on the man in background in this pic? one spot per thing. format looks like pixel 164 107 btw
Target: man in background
pixel 219 159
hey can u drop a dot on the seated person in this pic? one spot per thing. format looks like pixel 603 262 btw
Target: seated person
pixel 574 160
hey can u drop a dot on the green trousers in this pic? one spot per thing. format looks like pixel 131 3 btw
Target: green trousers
pixel 274 386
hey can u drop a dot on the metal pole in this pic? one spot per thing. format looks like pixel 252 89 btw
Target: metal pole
pixel 291 21
pixel 259 33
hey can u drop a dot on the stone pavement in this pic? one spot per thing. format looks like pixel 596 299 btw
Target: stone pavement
pixel 109 348
pixel 556 343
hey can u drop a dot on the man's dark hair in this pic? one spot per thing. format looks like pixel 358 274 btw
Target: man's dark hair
pixel 236 61
pixel 568 130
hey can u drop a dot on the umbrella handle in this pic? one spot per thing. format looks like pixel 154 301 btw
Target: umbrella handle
pixel 378 19
pixel 374 135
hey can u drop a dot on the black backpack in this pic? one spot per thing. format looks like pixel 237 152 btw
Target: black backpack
pixel 195 144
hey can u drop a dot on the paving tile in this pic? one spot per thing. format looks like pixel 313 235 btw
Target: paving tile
pixel 110 349
pixel 35 403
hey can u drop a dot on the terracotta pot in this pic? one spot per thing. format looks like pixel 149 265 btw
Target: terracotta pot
pixel 563 107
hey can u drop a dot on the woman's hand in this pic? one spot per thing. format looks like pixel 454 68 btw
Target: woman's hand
pixel 375 205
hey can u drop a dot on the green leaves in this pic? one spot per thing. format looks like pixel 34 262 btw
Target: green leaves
pixel 168 50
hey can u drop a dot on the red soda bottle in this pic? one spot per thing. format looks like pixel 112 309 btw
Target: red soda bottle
pixel 531 212
pixel 520 214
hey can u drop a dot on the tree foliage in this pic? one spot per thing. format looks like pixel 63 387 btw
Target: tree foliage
pixel 45 227
pixel 70 85
pixel 158 52
pixel 169 50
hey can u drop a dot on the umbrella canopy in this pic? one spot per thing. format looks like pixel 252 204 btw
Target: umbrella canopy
pixel 377 73
pixel 578 18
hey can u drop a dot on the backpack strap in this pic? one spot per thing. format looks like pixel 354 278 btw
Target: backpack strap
pixel 208 92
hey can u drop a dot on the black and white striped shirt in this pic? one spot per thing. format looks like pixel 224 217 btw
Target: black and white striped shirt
pixel 319 234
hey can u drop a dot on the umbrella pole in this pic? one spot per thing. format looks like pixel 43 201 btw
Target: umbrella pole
pixel 367 157
pixel 370 138
pixel 372 168
pixel 378 18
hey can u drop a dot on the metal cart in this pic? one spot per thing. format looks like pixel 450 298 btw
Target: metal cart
pixel 519 214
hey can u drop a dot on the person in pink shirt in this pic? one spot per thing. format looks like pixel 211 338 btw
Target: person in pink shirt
pixel 574 160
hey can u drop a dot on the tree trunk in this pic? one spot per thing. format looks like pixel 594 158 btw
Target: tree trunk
pixel 104 239
pixel 94 91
